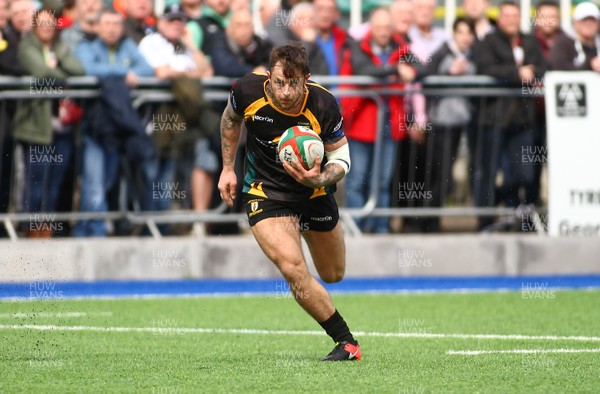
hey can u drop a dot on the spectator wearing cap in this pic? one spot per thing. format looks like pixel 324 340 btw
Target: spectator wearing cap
pixel 171 50
pixel 109 55
pixel 242 51
pixel 174 56
pixel 581 52
pixel 514 59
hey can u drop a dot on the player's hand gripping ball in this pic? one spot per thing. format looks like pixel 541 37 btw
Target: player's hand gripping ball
pixel 301 143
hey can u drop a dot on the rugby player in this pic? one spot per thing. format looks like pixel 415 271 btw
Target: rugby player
pixel 284 201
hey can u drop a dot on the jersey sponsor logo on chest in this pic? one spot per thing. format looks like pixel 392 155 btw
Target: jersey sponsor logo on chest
pixel 260 118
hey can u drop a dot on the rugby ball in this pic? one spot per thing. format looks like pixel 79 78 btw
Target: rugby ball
pixel 302 143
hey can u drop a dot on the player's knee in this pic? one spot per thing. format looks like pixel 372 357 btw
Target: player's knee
pixel 333 275
pixel 293 270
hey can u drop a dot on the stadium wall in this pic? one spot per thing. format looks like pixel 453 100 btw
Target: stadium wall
pixel 240 257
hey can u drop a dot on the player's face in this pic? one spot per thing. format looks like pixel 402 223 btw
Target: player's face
pixel 287 93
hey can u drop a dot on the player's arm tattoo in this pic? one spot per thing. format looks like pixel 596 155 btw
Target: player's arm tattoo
pixel 231 129
pixel 333 173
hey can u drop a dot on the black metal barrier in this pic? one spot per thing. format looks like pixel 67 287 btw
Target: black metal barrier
pixel 152 90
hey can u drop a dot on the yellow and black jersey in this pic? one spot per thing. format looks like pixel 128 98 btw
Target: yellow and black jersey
pixel 265 175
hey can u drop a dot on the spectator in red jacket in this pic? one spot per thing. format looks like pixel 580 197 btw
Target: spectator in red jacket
pixel 380 54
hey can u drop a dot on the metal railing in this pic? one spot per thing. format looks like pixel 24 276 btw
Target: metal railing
pixel 153 90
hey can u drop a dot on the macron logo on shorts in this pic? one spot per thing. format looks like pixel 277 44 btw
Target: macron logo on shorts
pixel 322 218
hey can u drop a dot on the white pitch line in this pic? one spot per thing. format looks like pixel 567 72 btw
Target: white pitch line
pixel 197 330
pixel 19 315
pixel 518 351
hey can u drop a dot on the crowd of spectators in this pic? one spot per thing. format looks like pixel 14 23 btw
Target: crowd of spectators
pixel 72 153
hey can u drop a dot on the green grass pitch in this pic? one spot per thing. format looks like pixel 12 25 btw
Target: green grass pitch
pixel 167 358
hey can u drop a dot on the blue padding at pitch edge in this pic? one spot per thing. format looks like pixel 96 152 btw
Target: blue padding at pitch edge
pixel 53 290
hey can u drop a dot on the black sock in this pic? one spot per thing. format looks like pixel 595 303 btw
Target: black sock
pixel 337 329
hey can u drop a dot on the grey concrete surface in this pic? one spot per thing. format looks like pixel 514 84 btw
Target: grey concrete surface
pixel 240 257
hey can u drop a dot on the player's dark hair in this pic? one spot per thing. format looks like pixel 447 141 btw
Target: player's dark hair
pixel 293 58
pixel 464 20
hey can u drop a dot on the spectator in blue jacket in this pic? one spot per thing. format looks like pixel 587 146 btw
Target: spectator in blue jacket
pixel 109 55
